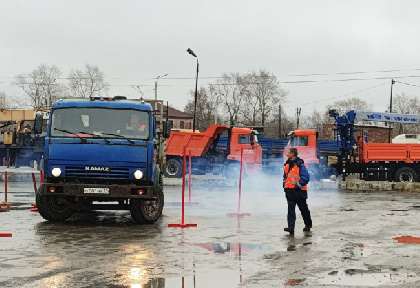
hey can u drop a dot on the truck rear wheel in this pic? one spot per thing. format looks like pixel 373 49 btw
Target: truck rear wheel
pixel 53 208
pixel 173 169
pixel 147 211
pixel 406 174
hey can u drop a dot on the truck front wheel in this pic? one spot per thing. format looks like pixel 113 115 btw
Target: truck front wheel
pixel 233 170
pixel 173 169
pixel 406 174
pixel 147 211
pixel 53 208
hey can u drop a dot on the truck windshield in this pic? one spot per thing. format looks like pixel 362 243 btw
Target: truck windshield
pixel 299 141
pixel 106 123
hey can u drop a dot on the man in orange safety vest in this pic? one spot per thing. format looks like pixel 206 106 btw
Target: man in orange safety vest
pixel 295 180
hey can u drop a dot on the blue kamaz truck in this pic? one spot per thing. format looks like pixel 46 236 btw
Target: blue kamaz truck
pixel 103 154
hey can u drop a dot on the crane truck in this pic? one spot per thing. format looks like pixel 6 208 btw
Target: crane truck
pixel 348 155
pixel 375 161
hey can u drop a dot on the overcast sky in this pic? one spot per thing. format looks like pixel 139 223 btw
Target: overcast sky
pixel 133 42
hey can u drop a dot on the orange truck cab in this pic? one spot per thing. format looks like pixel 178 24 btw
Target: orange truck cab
pixel 306 144
pixel 319 155
pixel 205 158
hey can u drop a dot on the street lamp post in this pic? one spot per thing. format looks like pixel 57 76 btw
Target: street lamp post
pixel 196 83
pixel 156 85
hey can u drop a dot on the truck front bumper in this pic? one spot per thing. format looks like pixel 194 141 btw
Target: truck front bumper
pixel 96 190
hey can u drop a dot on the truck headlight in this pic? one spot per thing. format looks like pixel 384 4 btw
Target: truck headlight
pixel 56 171
pixel 138 174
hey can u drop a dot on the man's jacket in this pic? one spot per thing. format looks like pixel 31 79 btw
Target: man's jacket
pixel 295 179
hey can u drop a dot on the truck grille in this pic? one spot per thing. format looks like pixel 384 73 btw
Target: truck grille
pixel 113 173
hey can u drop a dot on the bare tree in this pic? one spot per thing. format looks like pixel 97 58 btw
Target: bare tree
pixel 343 106
pixel 3 103
pixel 88 82
pixel 407 105
pixel 230 89
pixel 205 108
pixel 263 94
pixel 313 121
pixel 41 85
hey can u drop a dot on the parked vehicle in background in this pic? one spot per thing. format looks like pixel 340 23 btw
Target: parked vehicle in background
pixel 20 145
pixel 97 158
pixel 376 161
pixel 207 157
pixel 407 138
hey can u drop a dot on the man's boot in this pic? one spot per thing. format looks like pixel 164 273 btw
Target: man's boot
pixel 291 230
pixel 307 228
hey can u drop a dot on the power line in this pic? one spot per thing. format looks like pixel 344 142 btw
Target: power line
pixel 407 84
pixel 268 76
pixel 336 97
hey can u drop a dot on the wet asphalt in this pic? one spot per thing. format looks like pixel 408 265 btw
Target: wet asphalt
pixel 357 241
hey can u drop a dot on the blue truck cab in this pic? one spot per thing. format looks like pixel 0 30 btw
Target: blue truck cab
pixel 102 154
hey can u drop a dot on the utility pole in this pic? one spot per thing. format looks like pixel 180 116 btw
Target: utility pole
pixel 298 110
pixel 390 111
pixel 156 85
pixel 279 120
pixel 390 100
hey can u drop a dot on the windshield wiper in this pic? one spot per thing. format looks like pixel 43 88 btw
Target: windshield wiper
pixel 95 136
pixel 74 133
pixel 121 137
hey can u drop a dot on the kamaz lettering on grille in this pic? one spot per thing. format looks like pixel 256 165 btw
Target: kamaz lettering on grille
pixel 92 168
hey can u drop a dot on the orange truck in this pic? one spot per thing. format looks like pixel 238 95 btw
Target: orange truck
pixel 205 158
pixel 388 161
pixel 319 155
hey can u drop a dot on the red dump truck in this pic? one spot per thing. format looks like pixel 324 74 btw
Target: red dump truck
pixel 207 157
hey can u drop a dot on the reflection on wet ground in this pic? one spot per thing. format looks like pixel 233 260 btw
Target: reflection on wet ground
pixel 407 239
pixel 353 243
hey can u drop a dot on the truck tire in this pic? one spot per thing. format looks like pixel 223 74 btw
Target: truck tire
pixel 53 208
pixel 232 171
pixel 147 211
pixel 173 169
pixel 406 174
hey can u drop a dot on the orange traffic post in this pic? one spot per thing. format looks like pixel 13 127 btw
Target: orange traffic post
pixel 5 206
pixel 182 224
pixel 189 181
pixel 240 186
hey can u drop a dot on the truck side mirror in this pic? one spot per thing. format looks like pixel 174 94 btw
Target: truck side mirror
pixel 167 126
pixel 38 124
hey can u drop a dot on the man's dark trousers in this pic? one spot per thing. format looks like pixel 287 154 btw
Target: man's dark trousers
pixel 304 210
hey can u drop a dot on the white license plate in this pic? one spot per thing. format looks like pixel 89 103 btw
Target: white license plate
pixel 96 190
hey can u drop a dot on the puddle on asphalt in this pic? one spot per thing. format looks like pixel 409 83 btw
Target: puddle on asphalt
pixel 355 277
pixel 228 247
pixel 407 239
pixel 293 282
pixel 219 278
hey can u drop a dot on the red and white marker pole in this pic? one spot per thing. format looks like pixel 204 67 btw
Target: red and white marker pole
pixel 240 188
pixel 182 224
